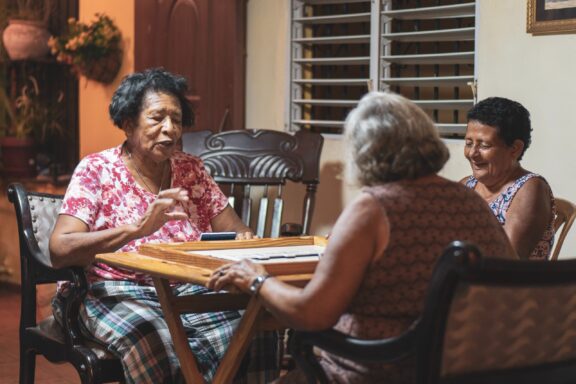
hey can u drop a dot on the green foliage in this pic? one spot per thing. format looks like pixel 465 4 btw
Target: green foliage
pixel 29 115
pixel 33 10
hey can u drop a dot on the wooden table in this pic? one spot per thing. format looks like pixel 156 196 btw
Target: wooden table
pixel 255 318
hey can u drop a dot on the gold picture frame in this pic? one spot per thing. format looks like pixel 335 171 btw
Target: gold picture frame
pixel 546 17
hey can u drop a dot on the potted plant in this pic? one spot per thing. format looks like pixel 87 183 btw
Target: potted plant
pixel 93 49
pixel 30 119
pixel 26 36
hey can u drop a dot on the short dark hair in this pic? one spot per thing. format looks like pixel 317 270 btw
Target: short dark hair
pixel 126 102
pixel 510 118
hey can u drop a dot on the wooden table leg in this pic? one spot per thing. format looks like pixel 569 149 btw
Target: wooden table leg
pixel 188 362
pixel 238 344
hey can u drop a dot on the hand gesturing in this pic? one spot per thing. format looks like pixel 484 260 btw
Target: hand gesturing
pixel 162 210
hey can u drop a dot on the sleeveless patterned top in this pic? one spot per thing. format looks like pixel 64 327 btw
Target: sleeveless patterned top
pixel 424 218
pixel 500 205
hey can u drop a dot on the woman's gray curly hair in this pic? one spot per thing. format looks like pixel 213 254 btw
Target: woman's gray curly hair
pixel 390 138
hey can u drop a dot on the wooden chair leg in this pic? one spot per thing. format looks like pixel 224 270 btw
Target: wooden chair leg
pixel 27 366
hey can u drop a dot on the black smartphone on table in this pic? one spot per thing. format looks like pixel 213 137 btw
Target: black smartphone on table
pixel 210 236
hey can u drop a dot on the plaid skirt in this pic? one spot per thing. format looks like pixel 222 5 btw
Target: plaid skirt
pixel 127 318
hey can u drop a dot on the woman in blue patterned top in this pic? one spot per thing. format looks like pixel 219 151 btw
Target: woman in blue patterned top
pixel 497 137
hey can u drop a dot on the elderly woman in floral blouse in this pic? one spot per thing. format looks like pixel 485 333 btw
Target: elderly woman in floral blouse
pixel 145 190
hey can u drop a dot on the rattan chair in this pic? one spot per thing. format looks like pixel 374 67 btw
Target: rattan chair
pixel 484 321
pixel 245 160
pixel 36 214
pixel 565 215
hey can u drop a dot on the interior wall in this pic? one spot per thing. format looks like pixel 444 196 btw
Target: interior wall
pixel 534 70
pixel 267 71
pixel 96 129
pixel 537 71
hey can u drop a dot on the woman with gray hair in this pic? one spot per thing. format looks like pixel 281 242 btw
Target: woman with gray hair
pixel 373 277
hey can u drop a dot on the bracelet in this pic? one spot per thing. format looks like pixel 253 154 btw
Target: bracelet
pixel 257 284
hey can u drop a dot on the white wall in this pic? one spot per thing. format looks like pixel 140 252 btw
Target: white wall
pixel 537 71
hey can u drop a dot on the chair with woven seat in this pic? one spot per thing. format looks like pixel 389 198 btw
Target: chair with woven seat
pixel 565 215
pixel 36 214
pixel 484 321
pixel 244 160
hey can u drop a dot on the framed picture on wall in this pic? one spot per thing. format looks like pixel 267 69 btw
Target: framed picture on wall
pixel 551 17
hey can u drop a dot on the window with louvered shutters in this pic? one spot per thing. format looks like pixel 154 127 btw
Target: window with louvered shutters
pixel 422 49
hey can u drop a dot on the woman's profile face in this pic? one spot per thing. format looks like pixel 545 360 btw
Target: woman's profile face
pixel 158 128
pixel 490 158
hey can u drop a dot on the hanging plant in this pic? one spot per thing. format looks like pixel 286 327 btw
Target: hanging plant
pixel 93 49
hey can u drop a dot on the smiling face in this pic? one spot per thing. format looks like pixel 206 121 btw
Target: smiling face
pixel 157 129
pixel 491 160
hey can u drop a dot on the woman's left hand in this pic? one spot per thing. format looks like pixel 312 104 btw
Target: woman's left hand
pixel 240 274
pixel 247 235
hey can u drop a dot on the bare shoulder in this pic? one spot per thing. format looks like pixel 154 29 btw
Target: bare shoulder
pixel 533 198
pixel 362 217
pixel 535 189
pixel 364 206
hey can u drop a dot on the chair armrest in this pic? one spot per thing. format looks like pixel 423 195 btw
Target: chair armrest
pixel 69 302
pixel 71 308
pixel 291 229
pixel 383 350
pixel 352 348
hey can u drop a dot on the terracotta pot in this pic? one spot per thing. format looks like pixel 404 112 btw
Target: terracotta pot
pixel 26 39
pixel 18 156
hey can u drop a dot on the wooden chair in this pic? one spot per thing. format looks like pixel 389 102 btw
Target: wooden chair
pixel 565 215
pixel 484 321
pixel 36 214
pixel 244 160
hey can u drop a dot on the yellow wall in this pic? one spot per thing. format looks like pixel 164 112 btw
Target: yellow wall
pixel 96 129
pixel 536 71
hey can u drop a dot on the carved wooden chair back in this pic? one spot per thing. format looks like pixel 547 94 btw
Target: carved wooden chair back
pixel 565 215
pixel 58 341
pixel 245 160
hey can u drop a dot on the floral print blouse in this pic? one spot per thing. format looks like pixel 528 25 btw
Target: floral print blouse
pixel 104 194
pixel 500 205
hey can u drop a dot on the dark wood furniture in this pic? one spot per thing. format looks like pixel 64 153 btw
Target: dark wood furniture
pixel 36 214
pixel 484 321
pixel 204 41
pixel 246 160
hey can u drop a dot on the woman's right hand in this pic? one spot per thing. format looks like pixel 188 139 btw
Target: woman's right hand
pixel 161 211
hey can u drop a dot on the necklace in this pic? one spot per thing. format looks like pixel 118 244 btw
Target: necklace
pixel 129 154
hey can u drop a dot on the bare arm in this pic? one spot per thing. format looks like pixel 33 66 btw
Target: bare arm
pixel 228 221
pixel 360 234
pixel 72 243
pixel 528 216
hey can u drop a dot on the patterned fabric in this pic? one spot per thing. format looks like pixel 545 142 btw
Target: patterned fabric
pixel 104 194
pixel 121 309
pixel 127 318
pixel 424 218
pixel 500 205
pixel 522 332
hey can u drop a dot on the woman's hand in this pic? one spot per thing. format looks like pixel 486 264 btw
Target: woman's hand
pixel 240 274
pixel 161 211
pixel 247 235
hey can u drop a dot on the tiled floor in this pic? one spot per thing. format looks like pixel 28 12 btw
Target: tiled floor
pixel 46 372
